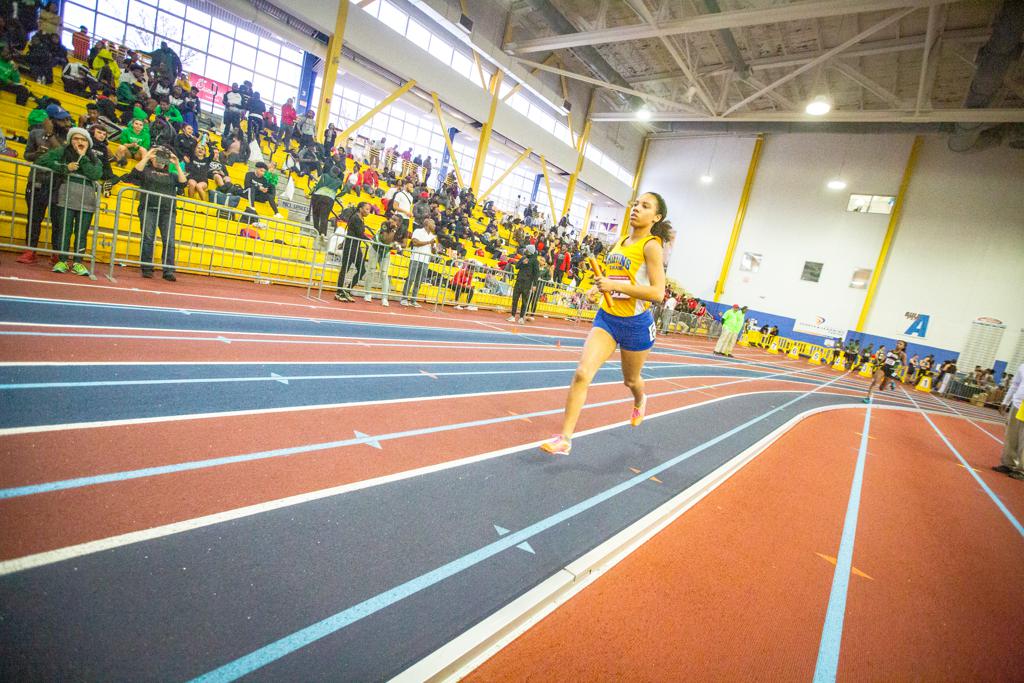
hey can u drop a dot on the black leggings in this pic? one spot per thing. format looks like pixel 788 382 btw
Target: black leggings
pixel 520 299
pixel 460 290
pixel 321 206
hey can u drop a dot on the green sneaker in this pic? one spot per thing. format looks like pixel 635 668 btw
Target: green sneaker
pixel 79 269
pixel 61 267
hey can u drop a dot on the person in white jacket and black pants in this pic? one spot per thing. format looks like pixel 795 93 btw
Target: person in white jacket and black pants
pixel 1012 463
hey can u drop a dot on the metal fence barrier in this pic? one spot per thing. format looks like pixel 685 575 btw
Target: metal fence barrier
pixel 59 210
pixel 210 239
pixel 366 268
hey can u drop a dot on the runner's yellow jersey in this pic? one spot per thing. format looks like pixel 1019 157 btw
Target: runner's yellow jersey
pixel 627 264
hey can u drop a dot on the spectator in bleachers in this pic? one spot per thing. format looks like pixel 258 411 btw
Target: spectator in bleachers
pixel 352 249
pixel 308 160
pixel 379 257
pixel 135 141
pixel 10 79
pixel 198 171
pixel 49 20
pixel 78 80
pixel 12 35
pixel 188 103
pixel 40 58
pixel 330 136
pixel 161 132
pixel 80 43
pixel 131 91
pixel 169 111
pixel 399 199
pixel 270 123
pixel 544 275
pixel 306 127
pixel 419 261
pixel 219 178
pixel 76 171
pixel 105 66
pixel 161 176
pixel 427 168
pixel 257 108
pixel 27 12
pixel 323 197
pixel 185 142
pixel 259 189
pixel 288 117
pixel 164 63
pixel 232 101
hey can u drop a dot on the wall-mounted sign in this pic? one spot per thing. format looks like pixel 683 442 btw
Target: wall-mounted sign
pixel 918 326
pixel 819 326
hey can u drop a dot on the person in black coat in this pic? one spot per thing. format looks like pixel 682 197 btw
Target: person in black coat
pixel 161 177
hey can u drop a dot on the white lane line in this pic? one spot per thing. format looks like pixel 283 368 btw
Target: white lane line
pixel 78 550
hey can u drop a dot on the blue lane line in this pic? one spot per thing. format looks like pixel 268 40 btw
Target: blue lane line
pixel 832 632
pixel 79 482
pixel 299 639
pixel 991 494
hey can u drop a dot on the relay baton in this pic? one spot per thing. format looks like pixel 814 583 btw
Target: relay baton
pixel 599 272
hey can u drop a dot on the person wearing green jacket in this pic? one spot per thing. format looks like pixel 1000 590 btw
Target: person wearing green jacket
pixel 10 79
pixel 732 325
pixel 172 113
pixel 322 200
pixel 134 141
pixel 75 201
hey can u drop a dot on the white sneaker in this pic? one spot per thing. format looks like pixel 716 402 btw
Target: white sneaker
pixel 278 215
pixel 472 308
pixel 522 321
pixel 511 320
pixel 459 307
pixel 529 318
pixel 416 304
pixel 384 303
pixel 403 302
pixel 367 298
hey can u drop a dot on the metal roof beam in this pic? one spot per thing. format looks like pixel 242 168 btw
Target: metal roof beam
pixel 835 116
pixel 891 19
pixel 713 22
pixel 930 59
pixel 868 84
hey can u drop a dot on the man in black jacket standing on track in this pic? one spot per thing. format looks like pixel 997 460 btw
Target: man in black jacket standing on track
pixel 529 271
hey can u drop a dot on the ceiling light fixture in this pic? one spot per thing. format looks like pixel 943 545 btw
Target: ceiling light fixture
pixel 643 113
pixel 706 178
pixel 837 184
pixel 819 106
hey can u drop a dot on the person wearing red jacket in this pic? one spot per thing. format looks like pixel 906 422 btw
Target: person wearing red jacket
pixel 564 262
pixel 463 281
pixel 288 116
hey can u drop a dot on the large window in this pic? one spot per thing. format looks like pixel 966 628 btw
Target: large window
pixel 208 46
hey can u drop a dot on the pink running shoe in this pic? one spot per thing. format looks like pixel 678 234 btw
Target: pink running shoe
pixel 638 412
pixel 557 445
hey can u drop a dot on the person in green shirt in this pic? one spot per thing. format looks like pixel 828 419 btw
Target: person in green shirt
pixel 134 141
pixel 732 325
pixel 322 199
pixel 173 114
pixel 75 201
pixel 10 79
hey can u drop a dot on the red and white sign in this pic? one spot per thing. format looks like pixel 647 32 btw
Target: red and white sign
pixel 207 89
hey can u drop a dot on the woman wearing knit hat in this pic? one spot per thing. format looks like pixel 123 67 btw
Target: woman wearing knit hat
pixel 75 200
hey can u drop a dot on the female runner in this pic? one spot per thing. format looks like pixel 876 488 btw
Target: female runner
pixel 635 279
pixel 885 371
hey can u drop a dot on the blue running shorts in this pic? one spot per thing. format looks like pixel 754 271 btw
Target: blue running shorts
pixel 635 333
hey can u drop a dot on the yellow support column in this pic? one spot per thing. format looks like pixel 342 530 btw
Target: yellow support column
pixel 581 149
pixel 890 232
pixel 624 228
pixel 358 123
pixel 586 220
pixel 547 182
pixel 332 63
pixel 447 139
pixel 519 160
pixel 485 134
pixel 741 214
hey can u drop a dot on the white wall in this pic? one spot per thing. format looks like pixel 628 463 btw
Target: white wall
pixel 701 214
pixel 958 254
